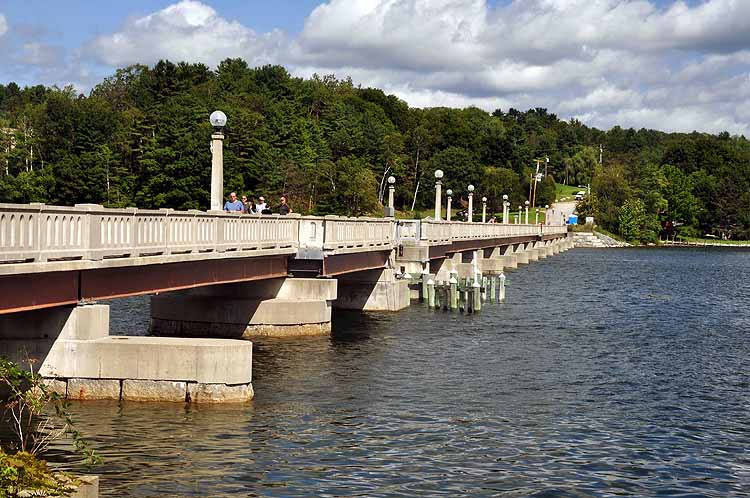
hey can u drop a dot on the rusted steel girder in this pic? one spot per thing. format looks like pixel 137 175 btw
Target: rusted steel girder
pixel 45 290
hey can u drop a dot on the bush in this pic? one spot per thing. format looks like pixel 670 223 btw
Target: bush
pixel 23 475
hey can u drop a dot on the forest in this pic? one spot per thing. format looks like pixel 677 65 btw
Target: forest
pixel 141 138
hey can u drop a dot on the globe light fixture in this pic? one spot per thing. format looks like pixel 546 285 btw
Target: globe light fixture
pixel 449 194
pixel 218 119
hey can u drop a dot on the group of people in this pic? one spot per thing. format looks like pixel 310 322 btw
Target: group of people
pixel 251 207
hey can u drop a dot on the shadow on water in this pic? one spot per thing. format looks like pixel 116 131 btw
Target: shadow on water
pixel 605 373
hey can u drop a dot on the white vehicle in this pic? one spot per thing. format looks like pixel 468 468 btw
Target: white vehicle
pixel 580 195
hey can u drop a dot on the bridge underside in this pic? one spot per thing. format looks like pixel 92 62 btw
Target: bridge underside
pixel 44 290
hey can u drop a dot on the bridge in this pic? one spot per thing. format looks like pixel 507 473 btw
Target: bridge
pixel 214 277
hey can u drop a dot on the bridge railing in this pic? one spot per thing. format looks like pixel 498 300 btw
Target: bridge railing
pixel 352 233
pixel 444 232
pixel 37 232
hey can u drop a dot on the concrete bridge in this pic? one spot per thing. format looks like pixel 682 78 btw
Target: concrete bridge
pixel 215 277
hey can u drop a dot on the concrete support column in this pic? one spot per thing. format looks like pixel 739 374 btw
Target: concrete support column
pixel 522 255
pixel 71 347
pixel 532 250
pixel 508 256
pixel 279 307
pixel 372 290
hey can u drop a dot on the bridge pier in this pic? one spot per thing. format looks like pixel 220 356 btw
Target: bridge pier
pixel 372 290
pixel 284 307
pixel 71 346
pixel 534 251
pixel 521 254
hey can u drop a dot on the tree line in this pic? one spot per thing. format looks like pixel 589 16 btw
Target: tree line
pixel 141 138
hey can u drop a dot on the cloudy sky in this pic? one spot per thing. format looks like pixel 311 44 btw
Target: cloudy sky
pixel 663 64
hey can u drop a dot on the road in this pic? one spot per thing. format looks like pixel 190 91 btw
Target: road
pixel 566 208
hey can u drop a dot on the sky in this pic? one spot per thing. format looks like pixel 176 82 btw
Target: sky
pixel 661 64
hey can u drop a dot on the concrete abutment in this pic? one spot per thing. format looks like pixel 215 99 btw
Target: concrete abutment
pixel 72 348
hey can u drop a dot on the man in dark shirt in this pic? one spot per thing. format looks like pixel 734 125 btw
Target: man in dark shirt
pixel 284 207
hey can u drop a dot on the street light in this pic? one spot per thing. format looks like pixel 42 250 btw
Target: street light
pixel 506 213
pixel 449 193
pixel 484 210
pixel 546 214
pixel 438 186
pixel 536 216
pixel 471 203
pixel 218 120
pixel 390 211
pixel 526 203
pixel 520 208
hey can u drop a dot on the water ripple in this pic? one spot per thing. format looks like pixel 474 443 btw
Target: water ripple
pixel 605 374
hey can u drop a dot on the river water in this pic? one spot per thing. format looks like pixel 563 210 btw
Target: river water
pixel 620 372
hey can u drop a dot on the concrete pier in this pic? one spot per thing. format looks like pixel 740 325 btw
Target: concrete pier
pixel 71 346
pixel 270 308
pixel 372 290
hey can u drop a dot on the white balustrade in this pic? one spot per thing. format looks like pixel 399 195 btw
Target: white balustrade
pixel 36 232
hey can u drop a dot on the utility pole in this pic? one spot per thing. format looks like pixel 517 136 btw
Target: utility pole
pixel 600 154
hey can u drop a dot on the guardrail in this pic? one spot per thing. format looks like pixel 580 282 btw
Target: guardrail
pixel 444 232
pixel 38 233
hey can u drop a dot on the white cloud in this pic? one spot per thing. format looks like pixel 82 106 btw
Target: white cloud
pixel 185 31
pixel 3 25
pixel 630 62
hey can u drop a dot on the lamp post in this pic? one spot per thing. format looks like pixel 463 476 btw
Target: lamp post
pixel 536 216
pixel 520 216
pixel 506 213
pixel 218 121
pixel 526 203
pixel 438 186
pixel 471 203
pixel 484 210
pixel 546 214
pixel 449 193
pixel 390 211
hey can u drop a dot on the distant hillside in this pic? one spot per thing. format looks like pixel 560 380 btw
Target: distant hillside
pixel 141 138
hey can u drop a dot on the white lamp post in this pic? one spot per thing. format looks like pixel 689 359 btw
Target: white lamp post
pixel 471 203
pixel 449 193
pixel 526 203
pixel 520 214
pixel 546 214
pixel 218 121
pixel 438 186
pixel 484 210
pixel 506 212
pixel 390 210
pixel 536 216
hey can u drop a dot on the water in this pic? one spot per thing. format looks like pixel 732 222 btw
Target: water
pixel 606 373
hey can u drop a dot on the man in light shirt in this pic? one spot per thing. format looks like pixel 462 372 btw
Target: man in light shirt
pixel 234 204
pixel 261 205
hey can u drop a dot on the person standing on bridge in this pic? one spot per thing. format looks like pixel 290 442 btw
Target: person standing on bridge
pixel 233 204
pixel 261 206
pixel 284 208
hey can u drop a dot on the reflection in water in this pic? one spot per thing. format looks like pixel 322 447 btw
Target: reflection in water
pixel 607 373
